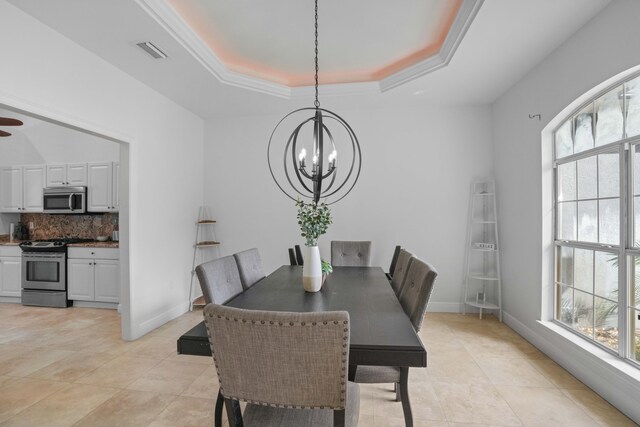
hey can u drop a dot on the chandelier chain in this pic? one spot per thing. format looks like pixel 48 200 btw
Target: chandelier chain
pixel 316 102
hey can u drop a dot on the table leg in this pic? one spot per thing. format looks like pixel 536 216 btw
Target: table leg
pixel 234 413
pixel 352 372
pixel 404 395
pixel 218 413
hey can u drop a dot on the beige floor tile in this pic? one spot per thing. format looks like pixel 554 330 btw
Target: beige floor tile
pixel 128 407
pixel 455 367
pixel 399 422
pixel 72 367
pixel 168 377
pixel 64 407
pixel 365 420
pixel 119 372
pixel 598 408
pixel 26 363
pixel 204 386
pixel 153 347
pixel 186 411
pixel 474 403
pixel 17 394
pixel 557 375
pixel 517 372
pixel 544 407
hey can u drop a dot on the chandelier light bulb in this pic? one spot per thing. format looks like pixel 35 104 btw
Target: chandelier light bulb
pixel 302 155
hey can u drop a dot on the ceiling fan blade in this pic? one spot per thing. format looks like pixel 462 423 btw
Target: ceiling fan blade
pixel 5 121
pixel 3 133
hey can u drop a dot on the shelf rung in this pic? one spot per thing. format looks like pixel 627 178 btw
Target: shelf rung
pixel 482 277
pixel 206 221
pixel 199 301
pixel 207 244
pixel 485 305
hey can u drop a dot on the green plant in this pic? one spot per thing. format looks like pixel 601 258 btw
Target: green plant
pixel 313 221
pixel 326 267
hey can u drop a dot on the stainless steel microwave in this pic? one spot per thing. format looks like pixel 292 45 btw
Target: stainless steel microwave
pixel 64 200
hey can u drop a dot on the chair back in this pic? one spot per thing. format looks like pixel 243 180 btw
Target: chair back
pixel 219 280
pixel 350 253
pixel 394 260
pixel 294 360
pixel 402 265
pixel 249 267
pixel 417 290
pixel 299 258
pixel 292 257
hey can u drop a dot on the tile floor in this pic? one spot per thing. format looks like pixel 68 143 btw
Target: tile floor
pixel 64 367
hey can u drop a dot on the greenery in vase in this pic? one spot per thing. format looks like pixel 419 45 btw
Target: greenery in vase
pixel 313 221
pixel 326 267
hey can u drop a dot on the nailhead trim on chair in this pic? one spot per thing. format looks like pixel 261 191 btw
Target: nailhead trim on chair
pixel 344 364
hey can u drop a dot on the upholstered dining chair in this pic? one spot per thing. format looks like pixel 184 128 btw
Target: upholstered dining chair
pixel 414 298
pixel 350 253
pixel 394 260
pixel 290 368
pixel 249 267
pixel 219 280
pixel 292 257
pixel 402 266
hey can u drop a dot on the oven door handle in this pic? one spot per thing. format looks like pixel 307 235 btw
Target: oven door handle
pixel 71 201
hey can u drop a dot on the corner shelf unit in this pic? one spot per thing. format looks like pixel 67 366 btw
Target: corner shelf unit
pixel 205 241
pixel 483 284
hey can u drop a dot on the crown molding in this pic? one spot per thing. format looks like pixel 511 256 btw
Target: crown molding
pixel 468 11
pixel 175 25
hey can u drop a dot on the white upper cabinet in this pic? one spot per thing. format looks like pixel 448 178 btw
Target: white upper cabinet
pixel 102 193
pixel 21 188
pixel 72 175
pixel 33 178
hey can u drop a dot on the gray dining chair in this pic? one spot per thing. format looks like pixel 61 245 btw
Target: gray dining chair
pixel 394 260
pixel 219 280
pixel 249 267
pixel 414 298
pixel 290 368
pixel 402 266
pixel 350 253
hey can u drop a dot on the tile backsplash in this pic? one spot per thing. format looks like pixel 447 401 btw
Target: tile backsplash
pixel 47 226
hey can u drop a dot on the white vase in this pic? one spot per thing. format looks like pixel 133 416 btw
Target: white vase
pixel 312 270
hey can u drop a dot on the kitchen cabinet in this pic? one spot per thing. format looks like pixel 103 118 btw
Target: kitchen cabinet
pixel 21 188
pixel 93 274
pixel 67 175
pixel 10 271
pixel 103 194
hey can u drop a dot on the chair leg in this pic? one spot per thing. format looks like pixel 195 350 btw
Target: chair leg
pixel 218 413
pixel 396 388
pixel 234 413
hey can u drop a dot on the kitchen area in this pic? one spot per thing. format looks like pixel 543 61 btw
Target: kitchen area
pixel 59 215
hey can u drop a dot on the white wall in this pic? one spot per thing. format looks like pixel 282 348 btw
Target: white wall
pixel 43 71
pixel 417 168
pixel 39 142
pixel 606 46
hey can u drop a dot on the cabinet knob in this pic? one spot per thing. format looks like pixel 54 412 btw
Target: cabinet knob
pixel 93 253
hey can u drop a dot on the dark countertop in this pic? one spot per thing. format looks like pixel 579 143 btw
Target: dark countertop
pixel 5 241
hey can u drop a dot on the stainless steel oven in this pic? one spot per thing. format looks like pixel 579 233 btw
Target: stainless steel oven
pixel 58 200
pixel 44 274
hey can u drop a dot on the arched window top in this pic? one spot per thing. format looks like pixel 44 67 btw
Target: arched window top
pixel 611 116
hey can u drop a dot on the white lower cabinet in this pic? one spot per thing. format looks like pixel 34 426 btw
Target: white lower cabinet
pixel 10 276
pixel 93 274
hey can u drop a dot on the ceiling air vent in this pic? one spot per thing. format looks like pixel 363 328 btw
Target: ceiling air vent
pixel 152 50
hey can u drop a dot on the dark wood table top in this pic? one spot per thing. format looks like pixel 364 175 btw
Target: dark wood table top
pixel 381 333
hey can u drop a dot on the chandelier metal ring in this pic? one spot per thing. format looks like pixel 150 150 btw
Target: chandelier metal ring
pixel 291 169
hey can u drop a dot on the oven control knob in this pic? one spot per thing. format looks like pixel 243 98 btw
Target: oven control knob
pixel 27 243
pixel 57 243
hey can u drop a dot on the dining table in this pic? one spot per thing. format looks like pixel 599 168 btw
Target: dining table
pixel 381 332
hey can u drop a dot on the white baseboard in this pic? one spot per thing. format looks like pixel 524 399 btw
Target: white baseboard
pixel 95 304
pixel 15 300
pixel 613 379
pixel 155 322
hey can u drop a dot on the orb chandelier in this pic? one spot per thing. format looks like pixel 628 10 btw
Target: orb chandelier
pixel 312 136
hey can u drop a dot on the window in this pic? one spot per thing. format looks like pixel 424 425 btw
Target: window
pixel 597 220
